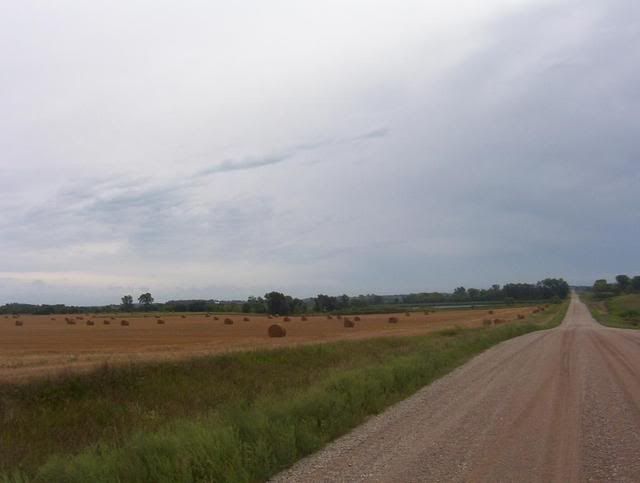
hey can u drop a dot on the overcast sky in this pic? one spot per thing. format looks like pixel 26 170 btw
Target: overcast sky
pixel 208 149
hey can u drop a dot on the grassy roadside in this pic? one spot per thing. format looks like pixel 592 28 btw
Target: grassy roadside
pixel 621 312
pixel 238 417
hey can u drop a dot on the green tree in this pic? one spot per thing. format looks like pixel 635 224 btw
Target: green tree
pixel 635 283
pixel 145 299
pixel 624 282
pixel 601 286
pixel 126 303
pixel 277 303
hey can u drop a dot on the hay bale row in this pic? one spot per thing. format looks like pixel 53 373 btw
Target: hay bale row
pixel 276 330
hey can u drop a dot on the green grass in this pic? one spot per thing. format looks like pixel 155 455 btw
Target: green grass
pixel 622 311
pixel 237 417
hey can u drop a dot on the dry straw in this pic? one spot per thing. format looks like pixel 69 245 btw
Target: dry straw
pixel 276 330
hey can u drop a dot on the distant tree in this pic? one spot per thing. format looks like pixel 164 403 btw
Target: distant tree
pixel 127 303
pixel 624 282
pixel 324 303
pixel 635 283
pixel 145 299
pixel 460 292
pixel 474 293
pixel 550 287
pixel 277 303
pixel 601 286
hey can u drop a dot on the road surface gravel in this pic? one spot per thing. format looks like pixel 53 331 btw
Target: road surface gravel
pixel 560 405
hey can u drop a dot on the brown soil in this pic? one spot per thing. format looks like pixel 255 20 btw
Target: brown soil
pixel 43 347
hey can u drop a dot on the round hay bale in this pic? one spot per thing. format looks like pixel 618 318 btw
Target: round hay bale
pixel 407 314
pixel 520 317
pixel 207 316
pixel 498 321
pixel 276 330
pixel 124 323
pixel 339 317
pixel 183 316
pixel 90 322
pixel 303 318
pixel 106 322
pixel 329 317
pixel 269 317
pixel 490 312
pixel 228 321
pixel 80 318
pixel 160 322
pixel 393 320
pixel 287 319
pixel 487 322
pixel 19 323
pixel 348 323
pixel 356 318
pixel 246 319
pixel 216 318
pixel 53 318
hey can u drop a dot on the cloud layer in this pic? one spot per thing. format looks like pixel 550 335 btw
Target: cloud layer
pixel 206 151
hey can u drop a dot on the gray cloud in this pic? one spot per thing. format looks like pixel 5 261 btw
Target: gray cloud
pixel 514 156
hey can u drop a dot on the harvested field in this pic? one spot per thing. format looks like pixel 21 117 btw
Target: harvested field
pixel 42 346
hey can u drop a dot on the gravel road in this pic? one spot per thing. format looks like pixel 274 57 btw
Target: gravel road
pixel 559 405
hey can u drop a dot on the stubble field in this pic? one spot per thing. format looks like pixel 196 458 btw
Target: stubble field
pixel 48 345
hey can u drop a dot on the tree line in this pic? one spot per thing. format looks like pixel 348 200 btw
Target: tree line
pixel 623 284
pixel 279 303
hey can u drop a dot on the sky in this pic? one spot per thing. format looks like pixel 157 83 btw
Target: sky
pixel 208 149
